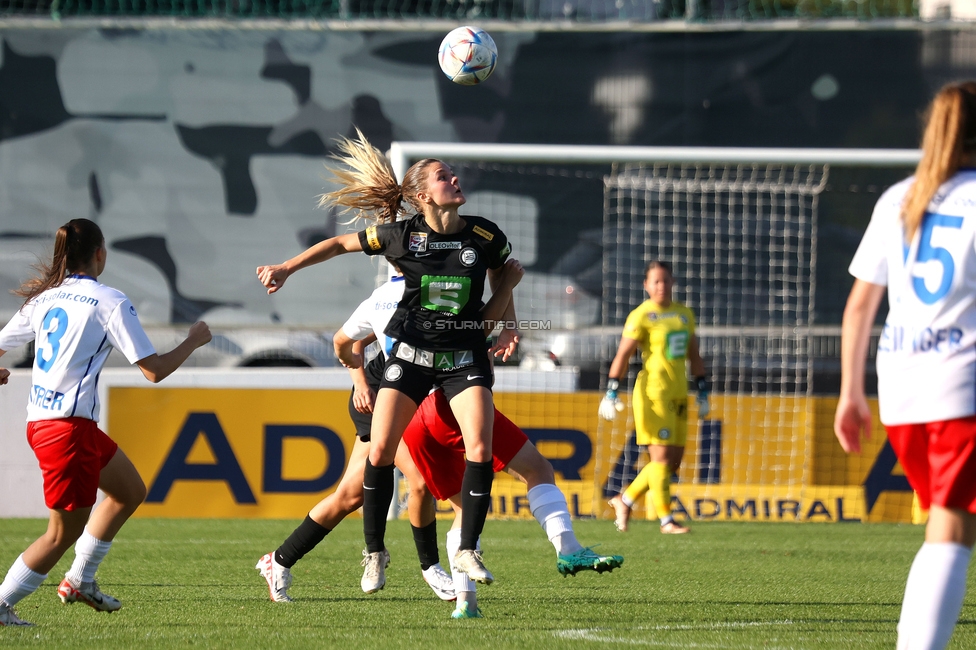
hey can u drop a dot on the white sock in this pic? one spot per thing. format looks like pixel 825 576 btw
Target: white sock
pixel 20 582
pixel 548 506
pixel 464 586
pixel 627 501
pixel 933 596
pixel 89 553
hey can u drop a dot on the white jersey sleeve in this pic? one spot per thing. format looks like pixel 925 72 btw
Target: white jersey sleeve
pixel 927 351
pixel 870 262
pixel 18 330
pixel 126 334
pixel 75 326
pixel 373 314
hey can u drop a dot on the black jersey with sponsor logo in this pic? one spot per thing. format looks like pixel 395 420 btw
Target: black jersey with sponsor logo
pixel 445 279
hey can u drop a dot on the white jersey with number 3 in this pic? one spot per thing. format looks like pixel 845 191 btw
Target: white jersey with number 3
pixel 74 327
pixel 927 352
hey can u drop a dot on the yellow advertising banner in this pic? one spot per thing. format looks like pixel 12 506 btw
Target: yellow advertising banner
pixel 273 453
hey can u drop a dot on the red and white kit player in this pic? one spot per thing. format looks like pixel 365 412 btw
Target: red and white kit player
pixel 921 247
pixel 75 321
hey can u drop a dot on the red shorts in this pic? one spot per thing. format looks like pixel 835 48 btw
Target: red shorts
pixel 434 440
pixel 939 459
pixel 71 453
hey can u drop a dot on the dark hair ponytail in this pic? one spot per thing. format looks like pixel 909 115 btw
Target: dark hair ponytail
pixel 75 245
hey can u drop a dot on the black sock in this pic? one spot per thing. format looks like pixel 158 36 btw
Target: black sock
pixel 302 540
pixel 377 496
pixel 475 501
pixel 426 540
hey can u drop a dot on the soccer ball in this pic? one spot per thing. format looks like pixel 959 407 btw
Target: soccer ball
pixel 467 55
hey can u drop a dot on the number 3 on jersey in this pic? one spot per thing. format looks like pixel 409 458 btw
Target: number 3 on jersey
pixel 928 253
pixel 51 337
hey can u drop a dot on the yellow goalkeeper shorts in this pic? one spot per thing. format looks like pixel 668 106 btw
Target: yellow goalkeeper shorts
pixel 661 421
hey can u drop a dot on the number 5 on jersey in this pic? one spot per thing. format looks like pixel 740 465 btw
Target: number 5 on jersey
pixel 444 293
pixel 927 253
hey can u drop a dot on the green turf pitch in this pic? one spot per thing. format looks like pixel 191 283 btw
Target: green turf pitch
pixel 726 585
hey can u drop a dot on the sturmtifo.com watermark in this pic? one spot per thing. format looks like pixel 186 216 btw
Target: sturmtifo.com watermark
pixel 489 325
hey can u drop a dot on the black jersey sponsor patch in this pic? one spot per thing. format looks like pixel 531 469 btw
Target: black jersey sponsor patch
pixel 417 242
pixel 469 257
pixel 444 245
pixel 478 230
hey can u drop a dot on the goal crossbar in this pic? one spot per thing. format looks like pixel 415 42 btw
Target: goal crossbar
pixel 402 153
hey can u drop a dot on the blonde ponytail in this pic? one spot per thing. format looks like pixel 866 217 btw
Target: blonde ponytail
pixel 368 187
pixel 947 143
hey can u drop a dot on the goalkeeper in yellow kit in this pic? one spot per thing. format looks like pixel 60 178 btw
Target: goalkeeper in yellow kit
pixel 665 333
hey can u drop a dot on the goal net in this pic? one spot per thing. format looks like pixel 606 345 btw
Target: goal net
pixel 741 230
pixel 740 239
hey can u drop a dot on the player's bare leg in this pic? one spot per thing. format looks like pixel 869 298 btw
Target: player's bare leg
pixel 548 506
pixel 30 569
pixel 392 413
pixel 275 567
pixel 464 587
pixel 423 520
pixel 474 410
pixel 124 493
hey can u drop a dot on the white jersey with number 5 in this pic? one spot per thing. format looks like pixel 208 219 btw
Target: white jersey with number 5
pixel 74 327
pixel 927 352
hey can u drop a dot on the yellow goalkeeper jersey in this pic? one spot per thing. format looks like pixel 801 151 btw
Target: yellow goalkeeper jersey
pixel 664 334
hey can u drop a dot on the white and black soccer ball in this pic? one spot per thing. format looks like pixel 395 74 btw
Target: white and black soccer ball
pixel 467 55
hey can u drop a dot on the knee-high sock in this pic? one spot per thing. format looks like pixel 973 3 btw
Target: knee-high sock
pixel 20 582
pixel 464 586
pixel 548 506
pixel 302 540
pixel 89 553
pixel 475 501
pixel 378 484
pixel 933 596
pixel 658 480
pixel 638 488
pixel 425 540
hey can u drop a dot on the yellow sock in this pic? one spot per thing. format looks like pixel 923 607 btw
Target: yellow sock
pixel 659 480
pixel 636 490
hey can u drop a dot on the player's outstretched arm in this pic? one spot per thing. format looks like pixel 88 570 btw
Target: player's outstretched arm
pixel 4 373
pixel 157 367
pixel 273 276
pixel 853 414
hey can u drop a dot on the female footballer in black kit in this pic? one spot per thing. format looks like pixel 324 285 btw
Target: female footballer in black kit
pixel 445 259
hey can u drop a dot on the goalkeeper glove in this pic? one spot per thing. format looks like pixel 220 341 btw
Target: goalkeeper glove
pixel 702 399
pixel 610 405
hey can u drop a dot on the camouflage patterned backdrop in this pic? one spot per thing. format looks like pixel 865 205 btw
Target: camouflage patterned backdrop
pixel 200 152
